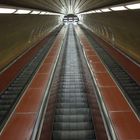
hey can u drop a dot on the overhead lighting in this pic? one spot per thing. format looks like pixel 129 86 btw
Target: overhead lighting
pixel 7 10
pixel 90 12
pixel 22 11
pixel 35 12
pixel 118 8
pixel 42 13
pixel 55 14
pixel 98 11
pixel 133 6
pixel 93 12
pixel 105 10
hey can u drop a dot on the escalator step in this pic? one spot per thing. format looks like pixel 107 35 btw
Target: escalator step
pixel 6 102
pixel 73 126
pixel 11 96
pixel 72 111
pixel 69 90
pixel 74 135
pixel 72 105
pixel 72 100
pixel 4 107
pixel 71 95
pixel 73 118
pixel 2 112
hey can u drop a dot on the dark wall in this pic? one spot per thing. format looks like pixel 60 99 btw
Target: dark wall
pixel 121 29
pixel 20 32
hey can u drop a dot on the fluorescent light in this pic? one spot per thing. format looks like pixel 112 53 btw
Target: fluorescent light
pixel 56 14
pixel 7 10
pixel 105 10
pixel 118 8
pixel 89 12
pixel 98 11
pixel 35 12
pixel 133 6
pixel 22 11
pixel 93 12
pixel 42 13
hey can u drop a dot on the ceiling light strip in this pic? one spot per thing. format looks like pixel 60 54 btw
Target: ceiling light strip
pixel 133 6
pixel 106 10
pixel 118 8
pixel 22 11
pixel 17 10
pixel 126 6
pixel 35 12
pixel 7 10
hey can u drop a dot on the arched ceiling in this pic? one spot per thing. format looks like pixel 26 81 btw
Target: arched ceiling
pixel 63 6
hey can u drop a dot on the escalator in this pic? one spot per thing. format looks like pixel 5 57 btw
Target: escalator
pixel 11 95
pixel 128 85
pixel 72 114
pixel 68 113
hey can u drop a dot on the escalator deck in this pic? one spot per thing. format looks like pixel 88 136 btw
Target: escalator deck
pixel 73 119
pixel 128 85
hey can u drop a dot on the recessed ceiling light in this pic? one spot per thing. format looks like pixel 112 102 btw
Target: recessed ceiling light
pixel 105 10
pixel 133 6
pixel 118 8
pixel 35 12
pixel 22 11
pixel 7 10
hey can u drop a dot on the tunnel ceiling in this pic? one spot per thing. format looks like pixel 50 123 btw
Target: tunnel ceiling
pixel 63 6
